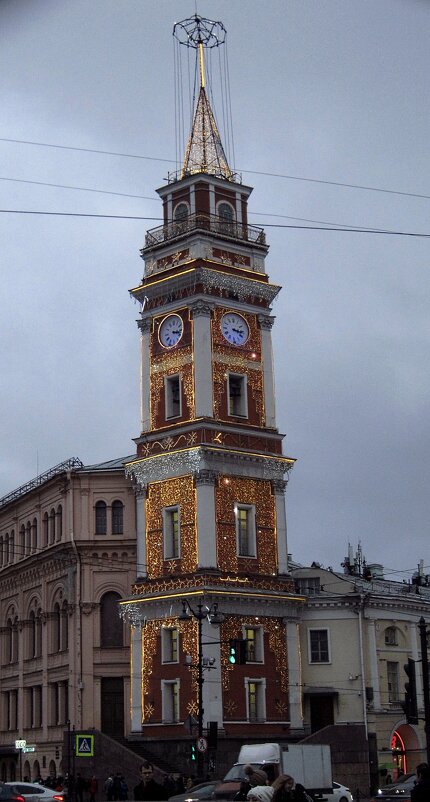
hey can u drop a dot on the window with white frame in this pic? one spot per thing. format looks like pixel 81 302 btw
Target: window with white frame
pixel 245 529
pixel 169 645
pixel 171 532
pixel 172 396
pixel 308 586
pixel 254 644
pixel 393 682
pixel 180 215
pixel 255 700
pixel 170 701
pixel 226 217
pixel 237 395
pixel 319 651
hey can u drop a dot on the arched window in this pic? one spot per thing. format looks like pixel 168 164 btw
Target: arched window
pixel 391 636
pixel 56 628
pixel 45 529
pixel 6 549
pixel 12 546
pixel 28 538
pixel 101 518
pixel 1 552
pixel 226 218
pixel 111 626
pixel 11 636
pixel 180 216
pixel 34 535
pixel 22 541
pixel 52 527
pixel 32 635
pixel 59 527
pixel 117 518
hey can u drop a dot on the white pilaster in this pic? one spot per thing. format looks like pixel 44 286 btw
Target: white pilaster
pixel 201 313
pixel 294 674
pixel 141 569
pixel 145 375
pixel 266 323
pixel 192 199
pixel 136 680
pixel 373 663
pixel 211 199
pixel 206 517
pixel 281 525
pixel 238 208
pixel 413 637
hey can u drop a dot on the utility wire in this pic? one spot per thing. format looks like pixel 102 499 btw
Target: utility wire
pixel 267 225
pixel 240 169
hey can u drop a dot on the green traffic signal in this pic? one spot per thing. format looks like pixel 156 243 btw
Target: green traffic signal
pixel 193 752
pixel 232 654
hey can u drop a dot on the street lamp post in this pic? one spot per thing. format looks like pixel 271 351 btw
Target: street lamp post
pixel 214 617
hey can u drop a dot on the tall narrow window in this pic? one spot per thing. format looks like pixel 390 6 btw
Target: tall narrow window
pixel 111 626
pixel 170 701
pixel 1 552
pixel 59 526
pixel 393 682
pixel 256 706
pixel 254 644
pixel 226 218
pixel 180 216
pixel 237 395
pixel 172 396
pixel 117 518
pixel 318 646
pixel 245 530
pixel 171 532
pixel 56 628
pixel 22 541
pixel 169 645
pixel 34 535
pixel 52 527
pixel 64 637
pixel 101 518
pixel 45 529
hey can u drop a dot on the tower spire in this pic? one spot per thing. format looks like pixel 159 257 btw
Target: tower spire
pixel 204 152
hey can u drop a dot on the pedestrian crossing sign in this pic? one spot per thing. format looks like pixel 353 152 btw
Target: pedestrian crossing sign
pixel 84 746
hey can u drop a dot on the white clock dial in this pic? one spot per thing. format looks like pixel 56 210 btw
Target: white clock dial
pixel 234 328
pixel 171 331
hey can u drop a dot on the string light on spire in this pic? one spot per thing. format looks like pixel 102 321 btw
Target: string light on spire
pixel 204 152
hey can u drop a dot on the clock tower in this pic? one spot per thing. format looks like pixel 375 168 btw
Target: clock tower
pixel 213 613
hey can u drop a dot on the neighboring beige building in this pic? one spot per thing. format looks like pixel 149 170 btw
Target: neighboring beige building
pixel 67 555
pixel 356 636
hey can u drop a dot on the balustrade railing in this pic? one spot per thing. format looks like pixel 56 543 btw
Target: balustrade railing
pixel 208 223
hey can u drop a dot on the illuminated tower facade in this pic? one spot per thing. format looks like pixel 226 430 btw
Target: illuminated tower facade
pixel 210 472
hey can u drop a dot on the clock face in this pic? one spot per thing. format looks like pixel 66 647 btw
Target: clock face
pixel 234 328
pixel 171 331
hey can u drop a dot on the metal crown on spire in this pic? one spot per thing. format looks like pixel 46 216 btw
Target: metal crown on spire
pixel 204 151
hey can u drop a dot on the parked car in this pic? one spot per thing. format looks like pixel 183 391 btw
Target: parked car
pixel 400 790
pixel 340 794
pixel 8 794
pixel 35 792
pixel 197 792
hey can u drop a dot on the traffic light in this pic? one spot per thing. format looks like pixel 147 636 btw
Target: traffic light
pixel 193 752
pixel 410 705
pixel 237 651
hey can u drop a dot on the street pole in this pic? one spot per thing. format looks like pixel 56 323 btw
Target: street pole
pixel 425 672
pixel 200 680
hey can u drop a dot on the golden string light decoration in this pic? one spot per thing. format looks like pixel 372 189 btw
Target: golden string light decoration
pixel 257 492
pixel 178 491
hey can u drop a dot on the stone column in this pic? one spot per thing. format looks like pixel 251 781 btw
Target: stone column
pixel 136 680
pixel 294 674
pixel 201 315
pixel 205 482
pixel 141 567
pixel 145 326
pixel 279 486
pixel 266 322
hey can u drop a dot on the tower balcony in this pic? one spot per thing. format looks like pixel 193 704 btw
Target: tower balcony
pixel 208 224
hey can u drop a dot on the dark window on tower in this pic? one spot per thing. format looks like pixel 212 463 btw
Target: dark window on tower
pixel 237 401
pixel 172 391
pixel 226 217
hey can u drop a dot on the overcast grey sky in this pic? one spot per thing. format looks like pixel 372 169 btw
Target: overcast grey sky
pixel 335 90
